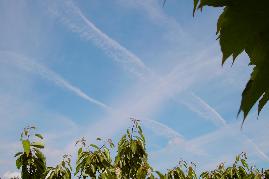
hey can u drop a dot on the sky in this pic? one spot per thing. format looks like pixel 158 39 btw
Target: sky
pixel 83 68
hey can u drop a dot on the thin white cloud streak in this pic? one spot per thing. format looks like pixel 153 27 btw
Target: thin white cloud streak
pixel 225 142
pixel 75 20
pixel 31 66
pixel 227 130
pixel 162 129
pixel 203 109
pixel 257 149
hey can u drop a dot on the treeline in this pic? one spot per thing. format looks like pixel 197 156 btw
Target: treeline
pixel 131 161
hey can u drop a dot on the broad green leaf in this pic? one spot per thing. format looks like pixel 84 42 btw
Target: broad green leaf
pixel 26 146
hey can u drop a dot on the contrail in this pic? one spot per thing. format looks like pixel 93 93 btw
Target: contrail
pixel 163 129
pixel 76 21
pixel 203 109
pixel 218 119
pixel 257 148
pixel 33 67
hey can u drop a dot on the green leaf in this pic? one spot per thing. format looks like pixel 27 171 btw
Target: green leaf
pixel 244 163
pixel 79 151
pixel 39 145
pixel 133 147
pixel 39 136
pixel 94 146
pixel 17 154
pixel 160 174
pixel 26 146
pixel 107 153
pixel 195 3
pixel 18 163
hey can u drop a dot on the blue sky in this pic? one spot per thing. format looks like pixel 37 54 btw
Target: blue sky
pixel 83 68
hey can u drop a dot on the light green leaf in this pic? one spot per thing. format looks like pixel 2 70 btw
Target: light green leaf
pixel 26 146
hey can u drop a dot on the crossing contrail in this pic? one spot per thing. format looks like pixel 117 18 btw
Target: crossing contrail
pixel 77 22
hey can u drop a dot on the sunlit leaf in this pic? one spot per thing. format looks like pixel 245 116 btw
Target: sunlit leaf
pixel 26 146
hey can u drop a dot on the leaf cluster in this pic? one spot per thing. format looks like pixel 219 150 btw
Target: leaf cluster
pixel 243 26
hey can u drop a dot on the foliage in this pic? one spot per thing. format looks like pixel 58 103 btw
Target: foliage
pixel 243 26
pixel 183 170
pixel 31 160
pixel 61 171
pixel 132 158
pixel 239 170
pixel 131 161
pixel 95 162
